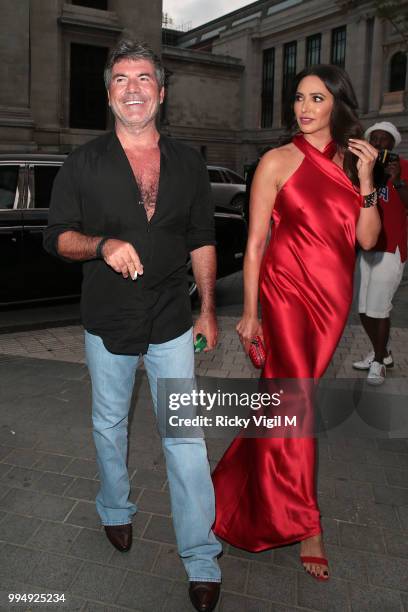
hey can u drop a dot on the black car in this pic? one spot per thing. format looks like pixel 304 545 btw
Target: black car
pixel 28 273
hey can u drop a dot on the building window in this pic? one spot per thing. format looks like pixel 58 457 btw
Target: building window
pixel 313 46
pixel 102 5
pixel 87 105
pixel 289 69
pixel 338 46
pixel 398 71
pixel 268 76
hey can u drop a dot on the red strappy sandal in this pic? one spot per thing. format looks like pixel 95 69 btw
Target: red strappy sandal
pixel 318 561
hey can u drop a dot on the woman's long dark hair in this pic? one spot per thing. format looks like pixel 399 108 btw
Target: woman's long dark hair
pixel 344 122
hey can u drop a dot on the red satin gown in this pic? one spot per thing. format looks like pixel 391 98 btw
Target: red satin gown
pixel 265 487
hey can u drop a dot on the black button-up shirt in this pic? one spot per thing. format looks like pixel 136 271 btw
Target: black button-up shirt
pixel 95 193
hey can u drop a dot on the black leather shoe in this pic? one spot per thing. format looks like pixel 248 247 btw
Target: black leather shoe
pixel 120 536
pixel 204 595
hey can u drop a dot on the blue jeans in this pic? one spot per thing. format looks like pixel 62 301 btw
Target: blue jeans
pixel 188 471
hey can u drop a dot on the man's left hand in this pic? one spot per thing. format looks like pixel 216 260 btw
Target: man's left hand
pixel 393 169
pixel 206 324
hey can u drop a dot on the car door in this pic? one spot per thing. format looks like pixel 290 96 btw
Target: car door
pixel 46 276
pixel 235 190
pixel 11 231
pixel 231 235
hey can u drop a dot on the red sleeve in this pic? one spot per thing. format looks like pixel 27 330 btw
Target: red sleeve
pixel 404 169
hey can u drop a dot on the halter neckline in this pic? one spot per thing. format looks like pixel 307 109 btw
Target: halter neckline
pixel 329 150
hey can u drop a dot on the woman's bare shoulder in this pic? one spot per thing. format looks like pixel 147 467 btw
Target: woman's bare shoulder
pixel 280 163
pixel 279 156
pixel 276 161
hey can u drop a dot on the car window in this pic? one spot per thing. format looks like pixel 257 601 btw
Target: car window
pixel 215 176
pixel 41 181
pixel 9 186
pixel 233 177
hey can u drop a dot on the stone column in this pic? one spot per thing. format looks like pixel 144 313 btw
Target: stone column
pixel 15 113
pixel 46 64
pixel 301 54
pixel 252 84
pixel 377 72
pixel 356 57
pixel 325 51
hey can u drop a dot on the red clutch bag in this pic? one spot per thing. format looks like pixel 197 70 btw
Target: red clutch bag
pixel 257 353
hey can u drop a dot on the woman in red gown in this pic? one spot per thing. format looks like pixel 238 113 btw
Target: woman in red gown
pixel 320 193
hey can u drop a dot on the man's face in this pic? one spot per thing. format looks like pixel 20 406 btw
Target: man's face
pixel 134 94
pixel 381 140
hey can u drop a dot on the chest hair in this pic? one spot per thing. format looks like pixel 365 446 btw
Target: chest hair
pixel 146 169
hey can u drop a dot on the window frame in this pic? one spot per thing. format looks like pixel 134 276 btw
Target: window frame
pixel 268 87
pixel 393 56
pixel 310 50
pixel 19 198
pixel 30 200
pixel 220 174
pixel 287 76
pixel 230 174
pixel 95 8
pixel 85 43
pixel 338 45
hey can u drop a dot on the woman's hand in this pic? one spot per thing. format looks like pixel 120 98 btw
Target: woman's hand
pixel 367 156
pixel 247 329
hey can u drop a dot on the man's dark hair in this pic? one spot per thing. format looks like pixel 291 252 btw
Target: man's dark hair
pixel 344 122
pixel 133 50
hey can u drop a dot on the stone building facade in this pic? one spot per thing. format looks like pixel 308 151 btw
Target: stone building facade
pixel 203 102
pixel 270 40
pixel 52 96
pixel 225 78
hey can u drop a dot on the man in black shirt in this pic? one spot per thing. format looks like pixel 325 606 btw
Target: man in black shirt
pixel 131 205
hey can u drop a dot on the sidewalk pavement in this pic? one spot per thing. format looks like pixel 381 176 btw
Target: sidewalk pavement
pixel 51 540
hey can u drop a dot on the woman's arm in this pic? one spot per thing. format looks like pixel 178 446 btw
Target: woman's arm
pixel 368 227
pixel 369 223
pixel 263 195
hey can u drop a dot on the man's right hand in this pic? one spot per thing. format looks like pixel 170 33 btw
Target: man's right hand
pixel 122 257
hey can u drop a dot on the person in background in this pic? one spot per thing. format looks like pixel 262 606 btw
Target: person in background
pixel 379 271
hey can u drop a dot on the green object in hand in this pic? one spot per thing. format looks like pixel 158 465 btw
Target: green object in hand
pixel 200 343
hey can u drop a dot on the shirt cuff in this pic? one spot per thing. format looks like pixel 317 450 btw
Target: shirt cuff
pixel 197 240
